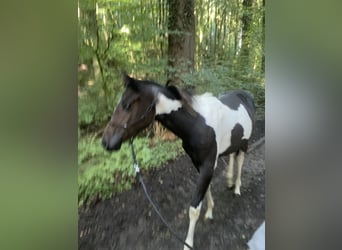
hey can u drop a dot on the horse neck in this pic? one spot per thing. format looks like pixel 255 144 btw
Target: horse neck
pixel 179 122
pixel 174 116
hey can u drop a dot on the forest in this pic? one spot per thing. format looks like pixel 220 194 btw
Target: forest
pixel 204 46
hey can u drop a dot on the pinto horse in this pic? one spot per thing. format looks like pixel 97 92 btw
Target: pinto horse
pixel 208 126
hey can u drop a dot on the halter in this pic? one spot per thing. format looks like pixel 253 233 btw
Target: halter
pixel 143 116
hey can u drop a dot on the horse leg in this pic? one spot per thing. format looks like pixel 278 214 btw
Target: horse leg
pixel 230 170
pixel 206 173
pixel 240 159
pixel 210 204
pixel 194 213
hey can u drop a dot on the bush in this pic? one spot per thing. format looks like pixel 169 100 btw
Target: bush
pixel 220 79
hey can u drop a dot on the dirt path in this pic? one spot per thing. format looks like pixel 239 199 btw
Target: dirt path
pixel 127 221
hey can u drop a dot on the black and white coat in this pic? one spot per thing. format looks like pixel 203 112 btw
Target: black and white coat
pixel 214 126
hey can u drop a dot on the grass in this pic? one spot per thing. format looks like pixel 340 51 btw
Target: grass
pixel 102 174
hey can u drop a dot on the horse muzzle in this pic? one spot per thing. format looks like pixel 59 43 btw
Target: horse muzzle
pixel 112 143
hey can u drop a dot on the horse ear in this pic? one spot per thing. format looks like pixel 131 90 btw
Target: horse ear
pixel 168 83
pixel 174 90
pixel 126 79
pixel 129 82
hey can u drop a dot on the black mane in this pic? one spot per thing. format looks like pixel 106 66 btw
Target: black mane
pixel 185 97
pixel 172 92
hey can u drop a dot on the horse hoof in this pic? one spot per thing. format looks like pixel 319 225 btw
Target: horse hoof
pixel 231 187
pixel 236 194
pixel 186 248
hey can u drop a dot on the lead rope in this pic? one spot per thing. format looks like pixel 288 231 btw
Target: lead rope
pixel 137 171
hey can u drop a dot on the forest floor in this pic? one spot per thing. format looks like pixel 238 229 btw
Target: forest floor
pixel 127 220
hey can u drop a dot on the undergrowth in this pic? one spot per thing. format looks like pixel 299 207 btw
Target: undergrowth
pixel 102 174
pixel 220 79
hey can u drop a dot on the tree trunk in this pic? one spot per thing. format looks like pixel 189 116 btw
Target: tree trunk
pixel 181 38
pixel 245 39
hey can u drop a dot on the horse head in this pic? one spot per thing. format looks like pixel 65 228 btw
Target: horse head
pixel 135 111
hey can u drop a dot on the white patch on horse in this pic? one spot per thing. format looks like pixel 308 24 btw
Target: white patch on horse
pixel 165 105
pixel 222 119
pixel 240 159
pixel 230 170
pixel 193 216
pixel 210 204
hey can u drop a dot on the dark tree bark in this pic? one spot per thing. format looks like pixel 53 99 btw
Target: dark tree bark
pixel 181 38
pixel 245 39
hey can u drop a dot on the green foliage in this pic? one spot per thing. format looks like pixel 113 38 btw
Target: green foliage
pixel 133 35
pixel 115 36
pixel 220 79
pixel 93 109
pixel 101 174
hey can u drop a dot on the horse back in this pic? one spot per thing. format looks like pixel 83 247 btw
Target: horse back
pixel 234 98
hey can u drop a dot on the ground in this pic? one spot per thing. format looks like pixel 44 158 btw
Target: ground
pixel 127 221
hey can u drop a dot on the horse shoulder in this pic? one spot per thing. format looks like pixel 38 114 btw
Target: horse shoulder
pixel 201 144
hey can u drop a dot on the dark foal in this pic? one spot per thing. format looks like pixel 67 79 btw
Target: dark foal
pixel 208 126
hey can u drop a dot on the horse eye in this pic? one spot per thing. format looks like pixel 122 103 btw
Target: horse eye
pixel 127 106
